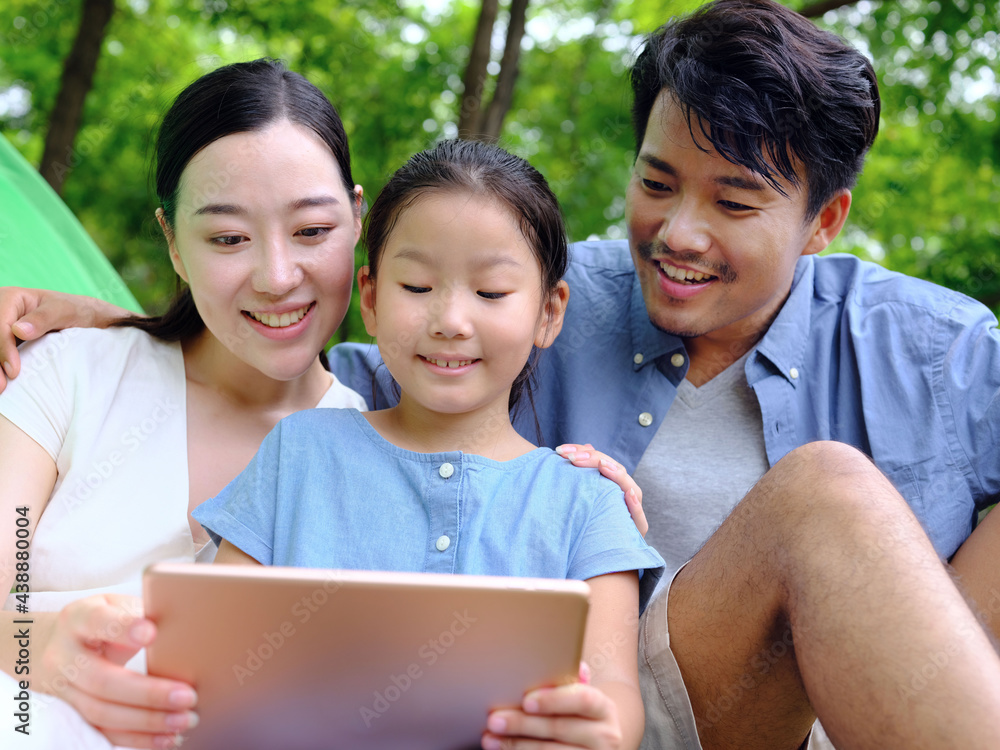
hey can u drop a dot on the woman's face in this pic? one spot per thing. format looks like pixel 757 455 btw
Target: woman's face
pixel 264 235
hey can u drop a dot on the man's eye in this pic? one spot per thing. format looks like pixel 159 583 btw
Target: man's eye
pixel 492 295
pixel 654 185
pixel 732 206
pixel 416 289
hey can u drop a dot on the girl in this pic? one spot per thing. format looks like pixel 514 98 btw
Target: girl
pixel 466 251
pixel 109 438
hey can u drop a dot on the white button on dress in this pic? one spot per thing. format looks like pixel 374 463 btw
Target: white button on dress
pixel 446 471
pixel 443 541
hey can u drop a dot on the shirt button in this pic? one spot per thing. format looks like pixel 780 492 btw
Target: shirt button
pixel 443 542
pixel 446 471
pixel 794 373
pixel 638 358
pixel 645 419
pixel 677 360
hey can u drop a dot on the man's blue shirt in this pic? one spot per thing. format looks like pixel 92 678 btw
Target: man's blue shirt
pixel 906 371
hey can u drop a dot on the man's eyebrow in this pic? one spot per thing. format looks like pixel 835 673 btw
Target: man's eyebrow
pixel 734 181
pixel 741 183
pixel 657 163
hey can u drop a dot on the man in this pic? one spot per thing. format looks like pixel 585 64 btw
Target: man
pixel 713 348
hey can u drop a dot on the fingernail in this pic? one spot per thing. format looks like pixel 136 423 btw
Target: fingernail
pixel 609 465
pixel 530 705
pixel 582 455
pixel 182 697
pixel 8 368
pixel 491 743
pixel 561 450
pixel 141 633
pixel 22 330
pixel 630 495
pixel 568 456
pixel 167 742
pixel 496 724
pixel 182 722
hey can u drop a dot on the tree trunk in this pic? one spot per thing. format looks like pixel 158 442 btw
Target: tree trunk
pixel 475 72
pixel 77 80
pixel 503 95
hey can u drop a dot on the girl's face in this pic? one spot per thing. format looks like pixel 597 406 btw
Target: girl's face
pixel 458 303
pixel 264 235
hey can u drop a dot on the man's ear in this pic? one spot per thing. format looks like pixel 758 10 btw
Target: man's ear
pixel 555 310
pixel 366 288
pixel 168 232
pixel 828 223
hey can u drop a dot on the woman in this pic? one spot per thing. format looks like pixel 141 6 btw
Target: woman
pixel 111 437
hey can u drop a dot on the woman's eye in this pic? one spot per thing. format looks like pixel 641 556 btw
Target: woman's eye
pixel 416 289
pixel 314 231
pixel 492 295
pixel 228 240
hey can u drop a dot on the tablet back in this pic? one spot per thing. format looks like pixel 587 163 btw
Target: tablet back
pixel 309 659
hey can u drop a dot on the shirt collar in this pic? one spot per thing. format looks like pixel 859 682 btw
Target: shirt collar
pixel 647 339
pixel 784 344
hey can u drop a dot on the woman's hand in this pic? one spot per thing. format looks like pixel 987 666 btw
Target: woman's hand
pixel 579 715
pixel 585 456
pixel 27 314
pixel 83 664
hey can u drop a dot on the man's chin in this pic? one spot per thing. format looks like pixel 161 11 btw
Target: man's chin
pixel 676 329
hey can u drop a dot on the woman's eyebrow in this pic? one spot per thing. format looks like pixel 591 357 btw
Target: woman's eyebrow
pixel 317 200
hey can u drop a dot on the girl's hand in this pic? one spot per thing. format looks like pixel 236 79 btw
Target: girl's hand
pixel 83 664
pixel 27 314
pixel 579 715
pixel 585 456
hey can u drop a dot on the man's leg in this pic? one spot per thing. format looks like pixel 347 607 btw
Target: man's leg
pixel 821 595
pixel 977 564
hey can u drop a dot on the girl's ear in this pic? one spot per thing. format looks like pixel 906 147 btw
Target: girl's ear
pixel 175 257
pixel 366 287
pixel 555 309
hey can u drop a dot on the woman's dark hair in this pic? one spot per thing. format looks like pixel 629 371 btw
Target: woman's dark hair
pixel 238 98
pixel 480 169
pixel 764 86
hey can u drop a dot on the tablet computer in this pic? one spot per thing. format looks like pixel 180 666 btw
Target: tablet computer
pixel 322 659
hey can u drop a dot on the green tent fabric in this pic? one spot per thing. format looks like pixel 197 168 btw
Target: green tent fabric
pixel 41 242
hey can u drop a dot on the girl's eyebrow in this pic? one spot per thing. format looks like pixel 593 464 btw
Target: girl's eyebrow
pixel 485 261
pixel 231 209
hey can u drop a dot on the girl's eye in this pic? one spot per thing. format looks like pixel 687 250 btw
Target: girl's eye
pixel 492 295
pixel 658 187
pixel 416 289
pixel 315 231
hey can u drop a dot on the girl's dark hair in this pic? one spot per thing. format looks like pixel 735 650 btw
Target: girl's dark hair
pixel 764 86
pixel 480 169
pixel 238 98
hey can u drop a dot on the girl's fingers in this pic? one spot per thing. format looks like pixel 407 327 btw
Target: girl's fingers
pixel 576 700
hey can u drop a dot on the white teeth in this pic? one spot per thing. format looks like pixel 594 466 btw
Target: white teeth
pixel 271 320
pixel 681 274
pixel 453 364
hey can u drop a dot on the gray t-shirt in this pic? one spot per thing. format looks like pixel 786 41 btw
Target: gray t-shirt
pixel 707 453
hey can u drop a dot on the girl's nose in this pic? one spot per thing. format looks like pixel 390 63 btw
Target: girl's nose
pixel 449 316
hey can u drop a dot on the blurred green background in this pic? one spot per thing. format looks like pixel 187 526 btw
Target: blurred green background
pixel 927 203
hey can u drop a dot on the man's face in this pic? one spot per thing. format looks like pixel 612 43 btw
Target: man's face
pixel 714 245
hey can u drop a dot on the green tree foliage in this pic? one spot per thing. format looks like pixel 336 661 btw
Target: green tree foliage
pixel 926 204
